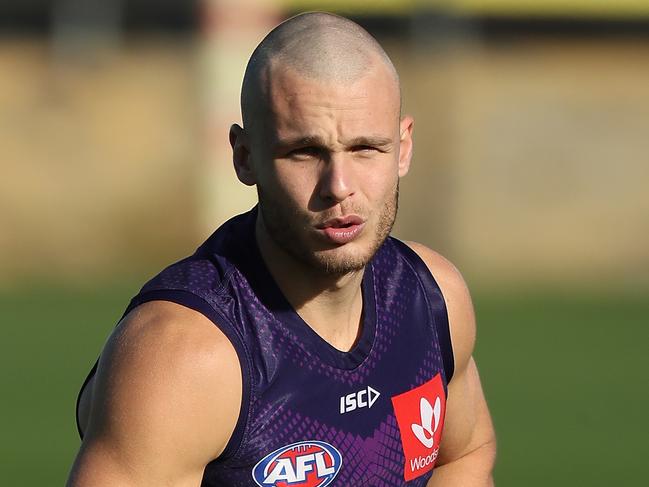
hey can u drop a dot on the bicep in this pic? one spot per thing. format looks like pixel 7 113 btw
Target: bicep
pixel 467 425
pixel 165 401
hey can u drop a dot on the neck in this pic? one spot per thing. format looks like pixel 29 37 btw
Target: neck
pixel 330 304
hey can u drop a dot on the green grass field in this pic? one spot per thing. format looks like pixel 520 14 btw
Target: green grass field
pixel 565 377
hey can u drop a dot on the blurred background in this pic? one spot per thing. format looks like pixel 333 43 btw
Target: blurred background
pixel 530 172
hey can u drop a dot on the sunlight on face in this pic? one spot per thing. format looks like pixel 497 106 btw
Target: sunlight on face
pixel 327 167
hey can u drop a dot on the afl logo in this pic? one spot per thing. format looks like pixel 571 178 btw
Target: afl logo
pixel 302 464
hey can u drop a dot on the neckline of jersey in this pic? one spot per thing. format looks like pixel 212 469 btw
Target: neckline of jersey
pixel 277 303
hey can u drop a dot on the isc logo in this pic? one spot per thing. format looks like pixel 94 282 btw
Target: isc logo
pixel 364 398
pixel 303 464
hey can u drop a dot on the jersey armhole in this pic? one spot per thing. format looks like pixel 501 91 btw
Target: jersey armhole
pixel 438 308
pixel 78 403
pixel 195 302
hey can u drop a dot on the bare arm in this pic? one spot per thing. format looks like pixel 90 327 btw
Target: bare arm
pixel 165 401
pixel 468 446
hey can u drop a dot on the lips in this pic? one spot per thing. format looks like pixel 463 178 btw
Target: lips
pixel 342 230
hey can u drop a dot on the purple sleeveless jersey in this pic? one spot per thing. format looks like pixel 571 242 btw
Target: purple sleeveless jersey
pixel 312 415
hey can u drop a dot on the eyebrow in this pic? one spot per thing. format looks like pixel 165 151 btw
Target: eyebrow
pixel 316 140
pixel 373 141
pixel 301 141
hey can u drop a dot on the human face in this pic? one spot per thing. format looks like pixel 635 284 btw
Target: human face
pixel 327 161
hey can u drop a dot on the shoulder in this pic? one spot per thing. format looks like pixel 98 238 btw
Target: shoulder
pixel 179 329
pixel 162 329
pixel 459 306
pixel 161 362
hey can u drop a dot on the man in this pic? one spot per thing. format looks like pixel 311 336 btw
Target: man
pixel 300 345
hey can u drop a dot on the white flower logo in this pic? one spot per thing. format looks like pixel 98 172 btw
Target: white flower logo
pixel 425 431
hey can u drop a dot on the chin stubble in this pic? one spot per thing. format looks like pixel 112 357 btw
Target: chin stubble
pixel 277 220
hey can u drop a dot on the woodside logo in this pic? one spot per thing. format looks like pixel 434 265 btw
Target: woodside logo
pixel 424 431
pixel 420 425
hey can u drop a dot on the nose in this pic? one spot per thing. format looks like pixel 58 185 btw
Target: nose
pixel 337 179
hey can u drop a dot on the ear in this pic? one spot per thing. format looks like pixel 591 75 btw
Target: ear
pixel 405 144
pixel 241 155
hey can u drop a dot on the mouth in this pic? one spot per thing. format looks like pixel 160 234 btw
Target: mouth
pixel 341 230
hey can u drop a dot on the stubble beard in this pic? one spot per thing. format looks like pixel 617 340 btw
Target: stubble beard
pixel 287 235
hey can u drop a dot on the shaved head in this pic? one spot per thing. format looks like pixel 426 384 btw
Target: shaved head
pixel 319 46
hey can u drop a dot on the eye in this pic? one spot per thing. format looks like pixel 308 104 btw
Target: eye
pixel 364 150
pixel 305 153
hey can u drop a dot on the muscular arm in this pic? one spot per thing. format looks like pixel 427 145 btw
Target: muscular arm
pixel 164 403
pixel 468 446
